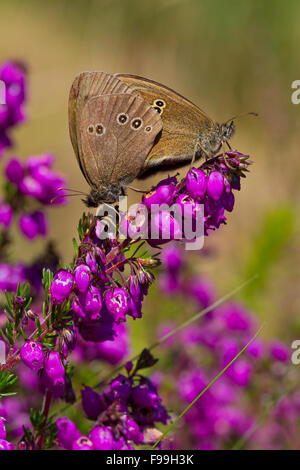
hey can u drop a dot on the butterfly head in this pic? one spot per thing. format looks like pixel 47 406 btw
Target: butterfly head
pixel 108 194
pixel 227 131
pixel 211 141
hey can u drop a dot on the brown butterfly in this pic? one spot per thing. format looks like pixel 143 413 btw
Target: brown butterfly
pixel 123 127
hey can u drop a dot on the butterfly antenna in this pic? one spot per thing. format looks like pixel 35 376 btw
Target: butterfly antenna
pixel 75 191
pixel 65 195
pixel 251 113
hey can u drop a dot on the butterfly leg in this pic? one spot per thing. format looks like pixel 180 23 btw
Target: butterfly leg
pixel 206 155
pixel 144 191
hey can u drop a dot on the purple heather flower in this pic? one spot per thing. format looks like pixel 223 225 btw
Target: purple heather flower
pixel 202 291
pixel 83 443
pixel 82 277
pixel 135 222
pixel 36 161
pixel 2 428
pixel 120 387
pixel 134 288
pixel 240 372
pixel 92 403
pixel 32 354
pixel 67 432
pixel 164 227
pixel 116 301
pixel 162 194
pixel 191 383
pixel 42 222
pixel 134 308
pixel 132 431
pixel 169 284
pixel 255 349
pixel 61 286
pixel 90 260
pixel 115 351
pixel 10 276
pixel 235 317
pixel 54 368
pixel 96 330
pixel 172 259
pixel 145 395
pixel 279 351
pixel 215 185
pixel 196 183
pixel 228 348
pixel 15 171
pixel 6 215
pixel 34 224
pixel 29 186
pixel 57 385
pixel 29 226
pixel 92 303
pixel 102 438
pixel 189 207
pixel 5 445
pixel 228 201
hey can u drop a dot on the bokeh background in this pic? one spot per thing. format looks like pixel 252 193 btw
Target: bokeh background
pixel 228 57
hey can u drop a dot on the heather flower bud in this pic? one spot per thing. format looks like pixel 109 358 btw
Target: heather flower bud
pixel 62 286
pixel 215 185
pixel 116 301
pixel 83 443
pixel 6 215
pixel 29 226
pixel 42 223
pixel 92 403
pixel 82 277
pixel 196 183
pixel 279 351
pixel 14 171
pixel 54 368
pixel 67 432
pixel 128 366
pixel 102 438
pixel 228 201
pixel 32 355
pixel 30 314
pixel 134 288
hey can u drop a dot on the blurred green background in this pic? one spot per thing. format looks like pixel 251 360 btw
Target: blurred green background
pixel 228 57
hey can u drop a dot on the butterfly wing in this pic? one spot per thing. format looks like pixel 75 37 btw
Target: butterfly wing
pixel 116 133
pixel 183 122
pixel 85 86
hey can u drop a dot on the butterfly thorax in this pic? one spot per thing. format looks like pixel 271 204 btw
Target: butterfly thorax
pixel 108 195
pixel 210 141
